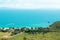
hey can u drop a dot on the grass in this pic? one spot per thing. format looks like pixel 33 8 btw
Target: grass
pixel 37 36
pixel 4 34
pixel 47 36
pixel 1 34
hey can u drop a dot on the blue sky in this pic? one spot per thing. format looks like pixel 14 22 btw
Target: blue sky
pixel 30 4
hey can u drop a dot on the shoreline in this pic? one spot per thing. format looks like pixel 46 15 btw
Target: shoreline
pixel 21 27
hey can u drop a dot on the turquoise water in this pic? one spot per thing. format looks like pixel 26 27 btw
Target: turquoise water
pixel 28 17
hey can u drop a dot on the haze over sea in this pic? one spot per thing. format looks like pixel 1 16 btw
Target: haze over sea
pixel 28 17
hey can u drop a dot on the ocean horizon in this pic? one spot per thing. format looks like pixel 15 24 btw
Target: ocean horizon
pixel 28 17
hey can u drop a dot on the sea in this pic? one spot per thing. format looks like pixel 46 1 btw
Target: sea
pixel 28 17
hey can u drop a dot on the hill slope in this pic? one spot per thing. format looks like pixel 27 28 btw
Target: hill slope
pixel 55 26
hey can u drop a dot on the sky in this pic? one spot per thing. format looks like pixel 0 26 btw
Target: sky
pixel 30 4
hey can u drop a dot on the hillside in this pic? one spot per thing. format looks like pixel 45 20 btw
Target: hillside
pixel 55 26
pixel 47 36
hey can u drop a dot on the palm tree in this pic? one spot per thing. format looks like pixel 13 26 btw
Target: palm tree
pixel 31 30
pixel 23 29
pixel 35 30
pixel 40 29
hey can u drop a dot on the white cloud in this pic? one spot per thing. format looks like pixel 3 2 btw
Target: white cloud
pixel 30 3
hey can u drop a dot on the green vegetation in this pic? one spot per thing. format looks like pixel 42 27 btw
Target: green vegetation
pixel 55 26
pixel 50 33
pixel 47 36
